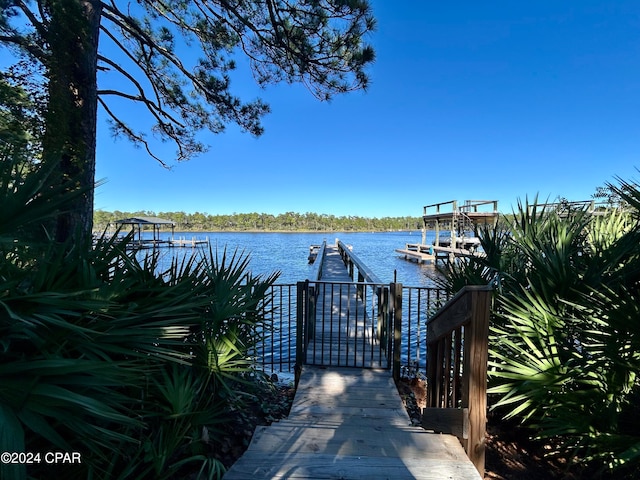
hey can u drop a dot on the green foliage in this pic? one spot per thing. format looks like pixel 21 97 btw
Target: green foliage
pixel 20 116
pixel 565 333
pixel 102 354
pixel 289 221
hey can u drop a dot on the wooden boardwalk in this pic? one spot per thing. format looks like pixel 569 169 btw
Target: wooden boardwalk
pixel 348 423
pixel 333 268
pixel 344 331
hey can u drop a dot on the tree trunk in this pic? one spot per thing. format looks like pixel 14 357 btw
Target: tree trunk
pixel 70 130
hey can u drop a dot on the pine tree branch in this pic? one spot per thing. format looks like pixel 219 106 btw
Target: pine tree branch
pixel 132 58
pixel 36 22
pixel 136 138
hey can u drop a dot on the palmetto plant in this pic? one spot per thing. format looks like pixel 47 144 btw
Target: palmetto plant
pixel 103 354
pixel 566 328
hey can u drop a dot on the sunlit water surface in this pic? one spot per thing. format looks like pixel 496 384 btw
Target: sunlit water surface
pixel 288 253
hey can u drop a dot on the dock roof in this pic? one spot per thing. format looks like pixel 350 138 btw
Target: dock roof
pixel 142 220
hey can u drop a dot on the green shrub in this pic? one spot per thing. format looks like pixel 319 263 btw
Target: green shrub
pixel 103 354
pixel 565 333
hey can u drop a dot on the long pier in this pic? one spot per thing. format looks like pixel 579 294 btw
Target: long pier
pixel 347 420
pixel 343 328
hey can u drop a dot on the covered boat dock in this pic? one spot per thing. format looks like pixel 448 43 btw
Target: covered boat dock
pixel 138 224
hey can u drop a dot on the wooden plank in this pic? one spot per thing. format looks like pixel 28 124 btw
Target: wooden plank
pixel 364 439
pixel 418 256
pixel 352 467
pixel 320 415
pixel 349 399
pixel 456 251
pixel 447 420
pixel 456 313
pixel 350 423
pixel 475 367
pixel 453 314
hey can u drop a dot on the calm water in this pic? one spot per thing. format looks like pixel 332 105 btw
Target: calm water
pixel 288 253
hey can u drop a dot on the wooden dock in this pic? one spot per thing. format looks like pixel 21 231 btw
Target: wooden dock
pixel 347 420
pixel 344 331
pixel 418 252
pixel 461 223
pixel 432 253
pixel 350 424
pixel 333 268
pixel 188 242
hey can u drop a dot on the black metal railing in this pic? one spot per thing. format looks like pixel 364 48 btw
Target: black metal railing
pixel 343 324
pixel 419 304
pixel 275 348
pixel 375 316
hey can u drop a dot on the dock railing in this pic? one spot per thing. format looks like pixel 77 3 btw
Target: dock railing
pixel 363 276
pixel 457 349
pixel 354 264
pixel 316 272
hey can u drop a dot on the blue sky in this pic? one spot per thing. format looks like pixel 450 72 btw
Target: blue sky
pixel 468 100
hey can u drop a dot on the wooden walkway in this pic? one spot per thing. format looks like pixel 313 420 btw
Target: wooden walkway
pixel 333 268
pixel 350 424
pixel 344 332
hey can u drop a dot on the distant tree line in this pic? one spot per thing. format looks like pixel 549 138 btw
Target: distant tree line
pixel 289 221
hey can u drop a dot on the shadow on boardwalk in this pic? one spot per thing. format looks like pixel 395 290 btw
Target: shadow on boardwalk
pixel 348 423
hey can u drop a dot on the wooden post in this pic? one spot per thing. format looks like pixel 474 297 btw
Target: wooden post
pixel 432 361
pixel 474 394
pixel 467 311
pixel 383 316
pixel 446 369
pixel 396 300
pixel 300 327
pixel 440 375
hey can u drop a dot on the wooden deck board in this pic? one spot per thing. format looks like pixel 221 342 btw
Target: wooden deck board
pixel 342 440
pixel 350 424
pixel 419 257
pixel 333 268
pixel 352 467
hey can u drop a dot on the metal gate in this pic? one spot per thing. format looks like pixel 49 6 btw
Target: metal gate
pixel 344 324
